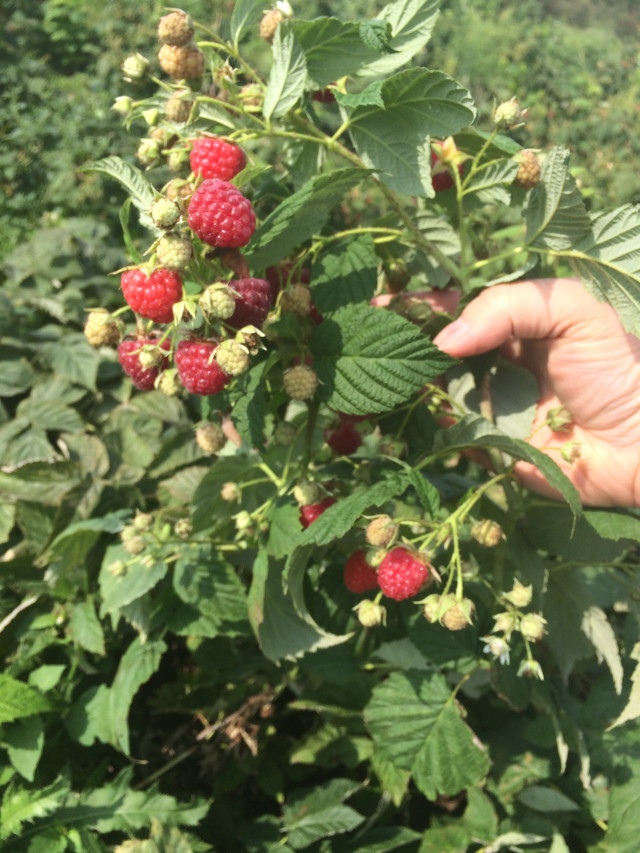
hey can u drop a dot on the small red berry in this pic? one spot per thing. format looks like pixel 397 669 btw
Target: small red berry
pixel 343 439
pixel 152 296
pixel 129 357
pixel 309 513
pixel 213 157
pixel 253 301
pixel 401 574
pixel 220 215
pixel 359 576
pixel 198 370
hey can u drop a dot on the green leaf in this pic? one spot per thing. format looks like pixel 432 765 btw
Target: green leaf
pixel 475 431
pixel 72 358
pixel 287 77
pixel 121 588
pixel 567 599
pixel 300 216
pixel 555 215
pixel 631 710
pixel 131 178
pixel 490 176
pixel 381 839
pixel 51 415
pixel 412 22
pixel 25 740
pixel 608 263
pixel 7 520
pixel 213 595
pixel 102 713
pixel 346 273
pixel 46 677
pixel 369 96
pixel 601 635
pixel 394 779
pixel 85 628
pixel 376 34
pixel 544 799
pixel 249 412
pixel 245 16
pixel 614 525
pixel 445 839
pixel 332 48
pixel 17 375
pixel 394 139
pixel 371 361
pixel 18 700
pixel 310 815
pixel 20 806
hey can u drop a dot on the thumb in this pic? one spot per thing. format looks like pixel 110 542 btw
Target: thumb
pixel 527 309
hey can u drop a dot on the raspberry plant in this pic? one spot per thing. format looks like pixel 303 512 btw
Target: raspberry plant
pixel 313 594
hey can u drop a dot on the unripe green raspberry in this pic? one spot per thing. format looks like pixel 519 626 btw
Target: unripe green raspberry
pixel 210 438
pixel 151 356
pixel 123 105
pixel 231 492
pixel 135 67
pixel 134 545
pixel 177 160
pixel 487 533
pixel 117 568
pixel 101 329
pixel 180 107
pixel 232 357
pixel 285 434
pixel 270 22
pixel 164 212
pixel 300 382
pixel 508 114
pixel 148 151
pixel 370 613
pixel 175 28
pixel 242 521
pixel 531 669
pixel 168 383
pixel 532 626
pixel 306 493
pixel 571 451
pixel 142 521
pixel 183 528
pixel 455 614
pixel 528 170
pixel 505 622
pixel 520 596
pixel 296 300
pixel 217 302
pixel 431 607
pixel 380 531
pixel 174 251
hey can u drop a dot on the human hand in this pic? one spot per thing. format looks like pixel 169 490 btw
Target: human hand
pixel 583 361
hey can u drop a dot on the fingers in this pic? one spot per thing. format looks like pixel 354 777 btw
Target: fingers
pixel 527 309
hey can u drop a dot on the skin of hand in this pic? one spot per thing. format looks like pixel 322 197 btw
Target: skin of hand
pixel 583 360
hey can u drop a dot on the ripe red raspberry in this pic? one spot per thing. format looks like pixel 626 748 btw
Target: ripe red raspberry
pixel 401 574
pixel 154 296
pixel 343 439
pixel 359 576
pixel 181 63
pixel 220 215
pixel 253 301
pixel 198 370
pixel 309 513
pixel 212 157
pixel 129 357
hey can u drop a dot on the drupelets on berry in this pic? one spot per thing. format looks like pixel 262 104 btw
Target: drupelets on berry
pixel 181 63
pixel 175 28
pixel 142 375
pixel 153 296
pixel 311 512
pixel 253 301
pixel 220 215
pixel 359 576
pixel 401 574
pixel 212 157
pixel 300 382
pixel 198 370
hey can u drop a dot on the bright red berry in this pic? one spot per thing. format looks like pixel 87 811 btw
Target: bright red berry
pixel 401 574
pixel 212 157
pixel 309 513
pixel 152 296
pixel 129 357
pixel 359 576
pixel 343 439
pixel 198 370
pixel 220 215
pixel 253 301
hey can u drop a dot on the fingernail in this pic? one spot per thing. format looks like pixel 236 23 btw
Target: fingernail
pixel 452 335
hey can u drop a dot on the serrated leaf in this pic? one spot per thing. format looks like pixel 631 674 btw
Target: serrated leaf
pixel 249 412
pixel 51 415
pixel 601 635
pixel 475 431
pixel 370 361
pixel 245 15
pixel 17 375
pixel 287 76
pixel 300 216
pixel 369 96
pixel 121 588
pixel 85 627
pixel 631 710
pixel 346 273
pixel 394 139
pixel 72 358
pixel 44 482
pixel 491 175
pixel 131 178
pixel 320 813
pixel 333 48
pixel 438 232
pixel 376 34
pixel 20 806
pixel 412 22
pixel 608 263
pixel 555 215
pixel 566 600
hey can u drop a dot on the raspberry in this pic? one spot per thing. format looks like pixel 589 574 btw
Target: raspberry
pixel 179 106
pixel 285 434
pixel 296 300
pixel 175 28
pixel 180 191
pixel 529 169
pixel 220 215
pixel 148 151
pixel 217 302
pixel 401 574
pixel 284 274
pixel 300 382
pixel 306 493
pixel 487 533
pixel 509 114
pixel 269 24
pixel 197 368
pixel 230 492
pixel 370 613
pixel 359 576
pixel 212 157
pixel 323 96
pixel 135 67
pixel 380 531
pixel 169 384
pixel 181 63
pixel 101 330
pixel 129 357
pixel 343 439
pixel 210 438
pixel 232 357
pixel 455 614
pixel 164 212
pixel 253 301
pixel 152 297
pixel 532 627
pixel 174 251
pixel 311 512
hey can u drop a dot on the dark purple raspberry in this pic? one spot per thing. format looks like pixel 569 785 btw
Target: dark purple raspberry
pixel 253 302
pixel 220 215
pixel 198 370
